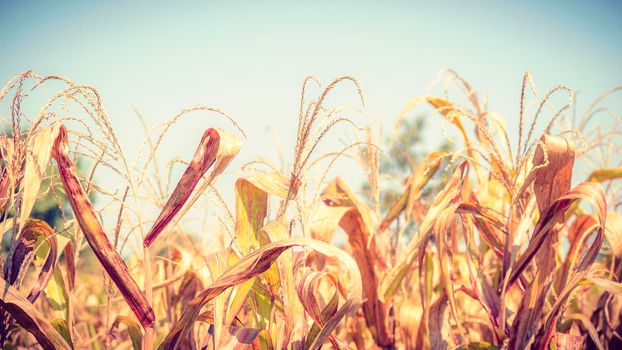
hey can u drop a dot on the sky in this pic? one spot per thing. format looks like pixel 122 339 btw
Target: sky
pixel 249 58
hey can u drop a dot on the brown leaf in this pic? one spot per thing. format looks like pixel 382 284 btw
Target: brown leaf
pixel 226 147
pixel 95 235
pixel 553 163
pixel 252 265
pixel 33 231
pixel 356 222
pixel 450 193
pixel 204 157
pixel 30 318
pixel 527 321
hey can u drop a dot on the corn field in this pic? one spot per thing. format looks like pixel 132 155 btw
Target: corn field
pixel 518 244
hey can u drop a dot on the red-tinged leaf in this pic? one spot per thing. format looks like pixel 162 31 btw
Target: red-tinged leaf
pixel 133 328
pixel 565 341
pixel 95 235
pixel 70 262
pixel 450 193
pixel 578 234
pixel 216 149
pixel 488 225
pixel 356 222
pixel 254 264
pixel 552 163
pixel 590 192
pixel 524 325
pixel 30 318
pixel 438 340
pixel 33 232
pixel 204 157
pixel 307 289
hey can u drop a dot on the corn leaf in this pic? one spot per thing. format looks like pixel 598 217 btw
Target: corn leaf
pixel 602 175
pixel 30 318
pixel 34 233
pixel 95 235
pixel 356 222
pixel 133 328
pixel 37 159
pixel 393 278
pixel 254 264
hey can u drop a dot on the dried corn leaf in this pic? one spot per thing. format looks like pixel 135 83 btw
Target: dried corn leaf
pixel 613 232
pixel 133 328
pixel 251 206
pixel 325 221
pixel 589 192
pixel 254 264
pixel 34 233
pixel 356 222
pixel 450 193
pixel 307 290
pixel 95 235
pixel 30 318
pixel 602 175
pixel 203 159
pixel 552 163
pixel 524 326
pixel 38 154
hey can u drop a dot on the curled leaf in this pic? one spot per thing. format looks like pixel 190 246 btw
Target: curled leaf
pixel 306 290
pixel 30 318
pixel 33 232
pixel 356 222
pixel 133 328
pixel 254 264
pixel 553 163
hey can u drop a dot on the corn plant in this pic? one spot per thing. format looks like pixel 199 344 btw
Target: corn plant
pixel 518 247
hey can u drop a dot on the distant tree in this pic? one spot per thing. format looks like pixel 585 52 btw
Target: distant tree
pixel 405 149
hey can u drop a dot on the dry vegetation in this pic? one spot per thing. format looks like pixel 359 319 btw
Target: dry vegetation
pixel 510 251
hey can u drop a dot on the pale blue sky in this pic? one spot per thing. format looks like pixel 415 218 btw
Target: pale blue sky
pixel 249 58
